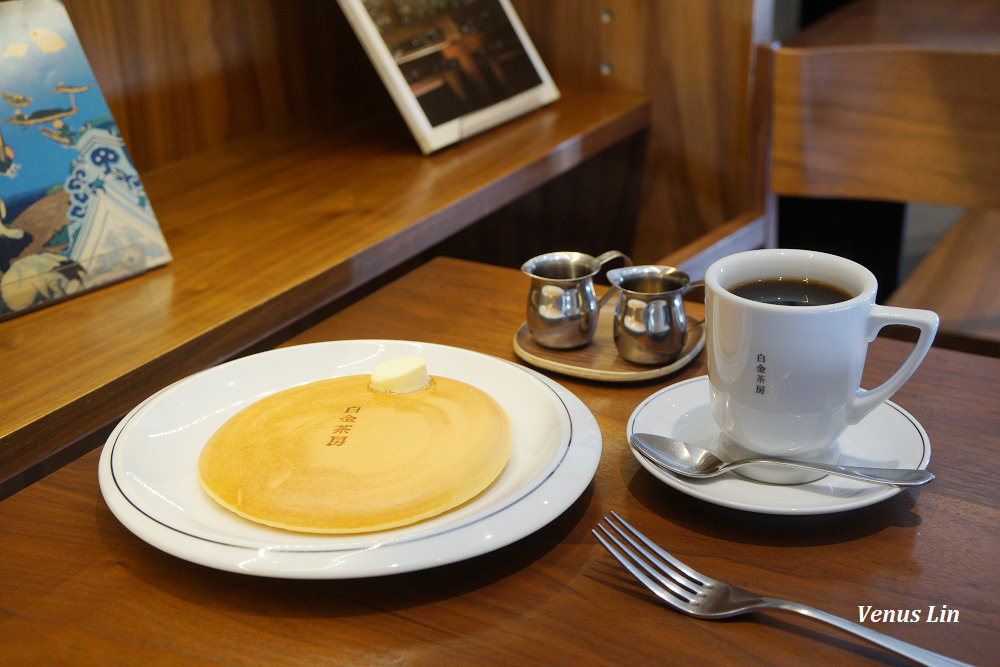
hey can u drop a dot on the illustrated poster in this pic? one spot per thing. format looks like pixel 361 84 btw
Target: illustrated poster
pixel 73 212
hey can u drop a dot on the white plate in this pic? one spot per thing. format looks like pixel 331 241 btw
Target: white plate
pixel 148 468
pixel 889 437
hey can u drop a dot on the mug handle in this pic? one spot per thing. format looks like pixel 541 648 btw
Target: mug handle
pixel 691 286
pixel 880 316
pixel 603 259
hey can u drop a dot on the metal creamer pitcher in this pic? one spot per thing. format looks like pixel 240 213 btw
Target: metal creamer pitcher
pixel 562 306
pixel 650 323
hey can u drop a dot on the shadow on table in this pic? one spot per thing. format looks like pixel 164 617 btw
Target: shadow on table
pixel 765 529
pixel 292 598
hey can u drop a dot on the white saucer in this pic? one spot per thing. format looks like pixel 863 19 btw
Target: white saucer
pixel 889 437
pixel 148 468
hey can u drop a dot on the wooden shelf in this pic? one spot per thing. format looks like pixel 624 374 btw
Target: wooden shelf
pixel 263 232
pixel 969 26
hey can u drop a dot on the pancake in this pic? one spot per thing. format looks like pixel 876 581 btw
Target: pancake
pixel 334 456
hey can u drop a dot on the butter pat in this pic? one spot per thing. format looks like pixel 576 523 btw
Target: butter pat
pixel 401 375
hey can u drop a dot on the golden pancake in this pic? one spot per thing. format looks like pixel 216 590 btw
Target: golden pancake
pixel 334 456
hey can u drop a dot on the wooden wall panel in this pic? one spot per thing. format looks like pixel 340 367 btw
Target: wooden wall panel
pixel 693 59
pixel 213 70
pixel 183 77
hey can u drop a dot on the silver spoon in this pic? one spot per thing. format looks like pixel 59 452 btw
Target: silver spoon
pixel 689 460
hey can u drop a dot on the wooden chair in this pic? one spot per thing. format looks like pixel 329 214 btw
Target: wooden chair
pixel 905 122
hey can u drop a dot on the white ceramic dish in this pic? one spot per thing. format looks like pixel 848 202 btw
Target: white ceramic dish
pixel 148 468
pixel 889 437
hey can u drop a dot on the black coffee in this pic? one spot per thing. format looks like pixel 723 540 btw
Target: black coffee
pixel 791 291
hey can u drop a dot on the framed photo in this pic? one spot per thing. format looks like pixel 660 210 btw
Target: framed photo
pixel 453 67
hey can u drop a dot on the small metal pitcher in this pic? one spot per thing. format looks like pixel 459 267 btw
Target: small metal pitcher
pixel 562 306
pixel 650 324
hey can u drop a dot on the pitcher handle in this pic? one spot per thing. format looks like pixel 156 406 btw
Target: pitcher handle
pixel 603 259
pixel 690 286
pixel 880 316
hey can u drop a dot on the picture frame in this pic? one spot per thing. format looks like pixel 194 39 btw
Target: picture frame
pixel 454 68
pixel 74 214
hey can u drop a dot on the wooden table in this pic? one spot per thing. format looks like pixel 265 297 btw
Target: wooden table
pixel 364 200
pixel 77 587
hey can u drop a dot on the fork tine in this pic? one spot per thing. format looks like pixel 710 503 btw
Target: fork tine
pixel 663 588
pixel 694 575
pixel 659 567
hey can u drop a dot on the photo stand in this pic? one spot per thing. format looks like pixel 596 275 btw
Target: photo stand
pixel 454 68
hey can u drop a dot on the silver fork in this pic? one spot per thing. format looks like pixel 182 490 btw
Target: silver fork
pixel 693 593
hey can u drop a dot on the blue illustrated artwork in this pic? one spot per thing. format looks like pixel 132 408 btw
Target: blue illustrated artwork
pixel 73 212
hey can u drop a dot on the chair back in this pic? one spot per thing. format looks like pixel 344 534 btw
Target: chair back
pixel 886 122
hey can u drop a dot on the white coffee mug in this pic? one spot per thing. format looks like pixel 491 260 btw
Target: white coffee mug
pixel 785 380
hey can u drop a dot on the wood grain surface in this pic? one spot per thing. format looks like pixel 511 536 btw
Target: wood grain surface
pixel 955 280
pixel 887 123
pixel 184 78
pixel 694 60
pixel 884 99
pixel 263 231
pixel 79 588
pixel 972 25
